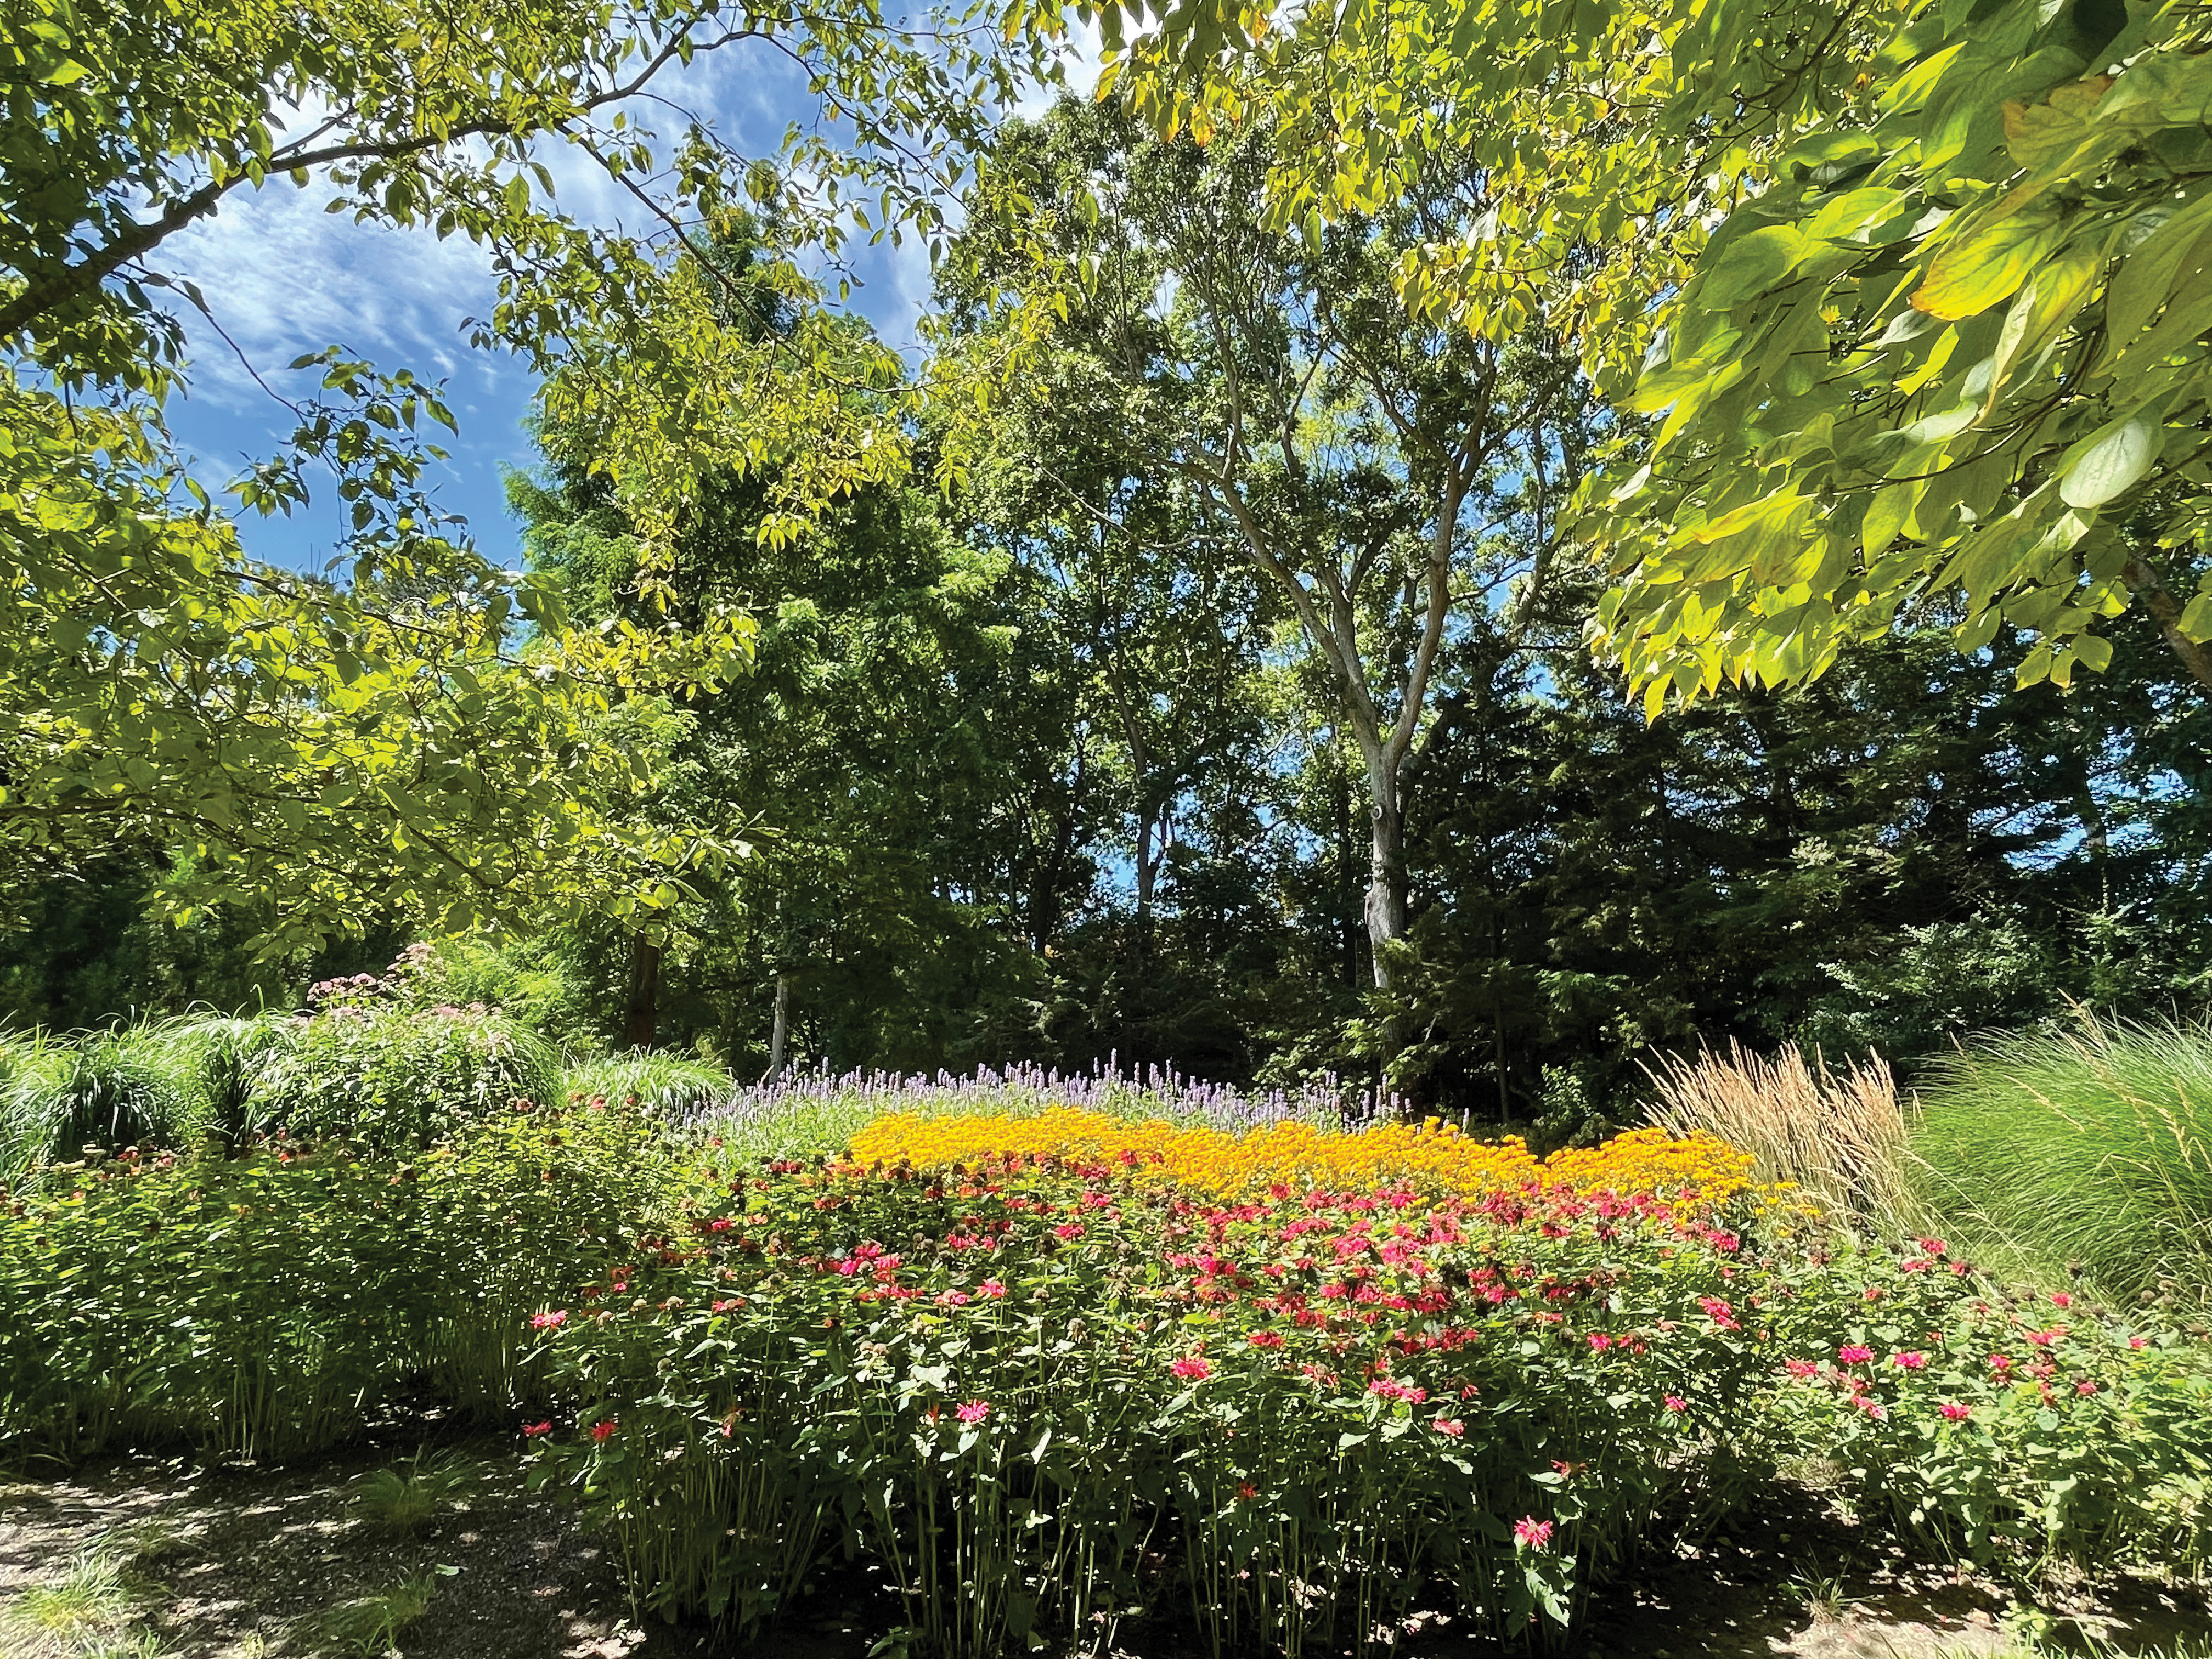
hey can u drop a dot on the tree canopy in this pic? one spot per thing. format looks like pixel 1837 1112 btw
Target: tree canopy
pixel 424 724
pixel 1915 295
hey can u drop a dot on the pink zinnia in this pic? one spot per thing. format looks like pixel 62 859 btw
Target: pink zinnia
pixel 1855 1356
pixel 1528 1533
pixel 975 1411
pixel 1956 1412
pixel 1197 1370
pixel 1909 1362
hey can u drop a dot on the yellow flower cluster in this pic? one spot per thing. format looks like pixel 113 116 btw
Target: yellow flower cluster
pixel 1432 1157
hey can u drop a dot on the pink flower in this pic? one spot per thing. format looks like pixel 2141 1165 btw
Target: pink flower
pixel 546 1321
pixel 2060 1299
pixel 1599 1341
pixel 532 1429
pixel 952 1298
pixel 2085 1386
pixel 1801 1367
pixel 1068 1230
pixel 990 1288
pixel 1999 1363
pixel 1530 1534
pixel 1909 1362
pixel 1196 1370
pixel 975 1411
pixel 1855 1356
pixel 721 1223
pixel 1449 1425
pixel 1266 1339
pixel 1933 1246
pixel 1955 1412
pixel 1872 1407
pixel 2137 1342
pixel 1676 1403
pixel 604 1431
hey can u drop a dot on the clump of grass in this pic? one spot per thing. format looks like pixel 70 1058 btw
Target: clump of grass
pixel 665 1085
pixel 106 1088
pixel 2082 1152
pixel 1840 1136
pixel 90 1611
pixel 405 1499
pixel 371 1624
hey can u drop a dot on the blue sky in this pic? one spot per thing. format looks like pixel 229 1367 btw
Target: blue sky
pixel 283 278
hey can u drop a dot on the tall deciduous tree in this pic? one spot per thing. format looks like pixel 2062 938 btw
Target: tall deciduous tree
pixel 390 737
pixel 1372 471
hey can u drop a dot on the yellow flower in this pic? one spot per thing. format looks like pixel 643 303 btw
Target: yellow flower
pixel 1430 1157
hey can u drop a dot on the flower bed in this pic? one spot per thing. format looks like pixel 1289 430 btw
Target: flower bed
pixel 265 1304
pixel 1050 1369
pixel 1056 1383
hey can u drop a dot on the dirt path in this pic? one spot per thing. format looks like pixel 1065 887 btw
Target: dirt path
pixel 139 1557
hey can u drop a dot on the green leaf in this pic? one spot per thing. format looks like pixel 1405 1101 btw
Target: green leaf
pixel 2108 461
pixel 1752 263
pixel 1972 274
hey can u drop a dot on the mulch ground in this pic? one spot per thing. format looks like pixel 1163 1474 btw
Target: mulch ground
pixel 242 1561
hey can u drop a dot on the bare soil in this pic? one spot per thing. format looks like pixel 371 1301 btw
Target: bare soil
pixel 245 1561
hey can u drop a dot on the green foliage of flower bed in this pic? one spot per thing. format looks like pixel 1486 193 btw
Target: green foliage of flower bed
pixel 265 1303
pixel 392 1078
pixel 2088 1151
pixel 2027 1426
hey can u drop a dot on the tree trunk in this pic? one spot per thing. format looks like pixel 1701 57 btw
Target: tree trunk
pixel 1386 876
pixel 2148 583
pixel 779 1032
pixel 641 1006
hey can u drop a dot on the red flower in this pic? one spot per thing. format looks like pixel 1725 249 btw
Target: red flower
pixel 1530 1534
pixel 1676 1403
pixel 1855 1356
pixel 2060 1299
pixel 1909 1362
pixel 604 1431
pixel 975 1411
pixel 530 1430
pixel 1247 1491
pixel 1956 1412
pixel 1266 1339
pixel 1197 1370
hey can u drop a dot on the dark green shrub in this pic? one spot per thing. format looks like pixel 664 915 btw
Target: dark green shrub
pixel 392 1080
